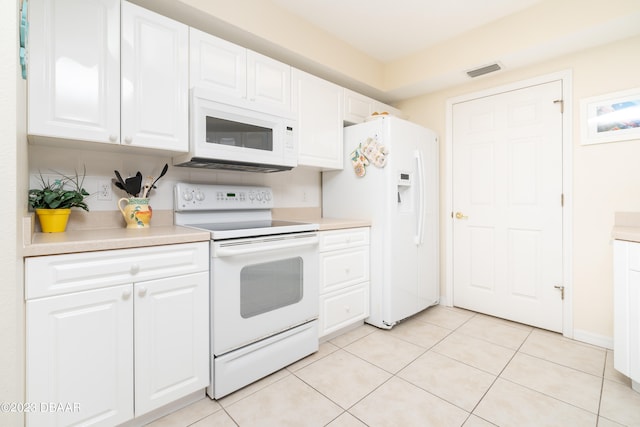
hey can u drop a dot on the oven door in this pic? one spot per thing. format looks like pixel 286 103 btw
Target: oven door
pixel 262 286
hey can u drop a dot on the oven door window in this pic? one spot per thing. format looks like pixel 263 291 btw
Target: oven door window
pixel 235 134
pixel 270 286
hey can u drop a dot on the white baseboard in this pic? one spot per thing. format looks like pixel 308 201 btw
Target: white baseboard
pixel 593 339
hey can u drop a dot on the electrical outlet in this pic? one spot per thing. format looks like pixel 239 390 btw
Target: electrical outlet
pixel 104 190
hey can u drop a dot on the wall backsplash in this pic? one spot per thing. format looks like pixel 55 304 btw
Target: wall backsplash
pixel 300 187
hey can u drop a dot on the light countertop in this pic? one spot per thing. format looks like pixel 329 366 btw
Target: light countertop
pixel 106 231
pixel 314 215
pixel 627 226
pixel 339 223
pixel 99 231
pixel 110 238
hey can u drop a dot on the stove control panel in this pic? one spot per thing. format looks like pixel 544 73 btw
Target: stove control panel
pixel 221 197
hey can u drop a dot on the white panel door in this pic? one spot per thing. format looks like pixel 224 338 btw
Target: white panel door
pixel 74 69
pixel 80 351
pixel 217 64
pixel 507 189
pixel 172 339
pixel 155 80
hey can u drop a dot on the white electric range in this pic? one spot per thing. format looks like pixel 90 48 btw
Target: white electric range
pixel 264 282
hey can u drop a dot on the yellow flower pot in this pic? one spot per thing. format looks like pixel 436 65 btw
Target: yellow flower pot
pixel 53 220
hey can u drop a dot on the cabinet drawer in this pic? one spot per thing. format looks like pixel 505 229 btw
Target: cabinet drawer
pixel 339 269
pixel 60 274
pixel 340 239
pixel 342 308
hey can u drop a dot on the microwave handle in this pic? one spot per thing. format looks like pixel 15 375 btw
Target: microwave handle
pixel 263 246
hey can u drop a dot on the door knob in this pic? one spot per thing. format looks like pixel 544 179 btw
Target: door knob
pixel 459 215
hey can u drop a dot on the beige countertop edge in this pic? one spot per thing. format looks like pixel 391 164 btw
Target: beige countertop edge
pixel 627 226
pixel 313 215
pixel 101 239
pixel 73 241
pixel 340 223
pixel 631 234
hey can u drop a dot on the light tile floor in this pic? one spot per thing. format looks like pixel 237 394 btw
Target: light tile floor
pixel 443 367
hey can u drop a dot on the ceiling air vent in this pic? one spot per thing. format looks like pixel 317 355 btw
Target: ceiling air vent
pixel 484 70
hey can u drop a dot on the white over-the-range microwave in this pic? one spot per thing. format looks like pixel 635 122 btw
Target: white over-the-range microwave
pixel 235 134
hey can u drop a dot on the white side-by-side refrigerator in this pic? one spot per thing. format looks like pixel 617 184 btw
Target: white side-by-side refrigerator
pixel 390 177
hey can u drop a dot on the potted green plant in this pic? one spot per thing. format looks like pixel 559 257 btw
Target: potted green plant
pixel 54 200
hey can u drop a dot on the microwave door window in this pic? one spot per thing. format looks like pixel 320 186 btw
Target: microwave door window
pixel 234 134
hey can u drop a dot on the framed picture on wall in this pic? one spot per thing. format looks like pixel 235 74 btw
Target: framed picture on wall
pixel 611 117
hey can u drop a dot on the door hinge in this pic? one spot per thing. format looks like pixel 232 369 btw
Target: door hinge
pixel 561 288
pixel 561 102
pixel 562 200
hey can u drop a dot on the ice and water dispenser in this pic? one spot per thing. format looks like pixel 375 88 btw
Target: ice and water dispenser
pixel 405 193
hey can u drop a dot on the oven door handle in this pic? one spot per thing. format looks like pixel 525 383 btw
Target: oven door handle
pixel 264 246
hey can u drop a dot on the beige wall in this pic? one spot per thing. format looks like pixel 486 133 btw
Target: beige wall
pixel 606 177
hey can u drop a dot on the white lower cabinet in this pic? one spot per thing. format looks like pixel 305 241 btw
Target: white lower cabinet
pixel 344 278
pixel 626 333
pixel 80 352
pixel 105 355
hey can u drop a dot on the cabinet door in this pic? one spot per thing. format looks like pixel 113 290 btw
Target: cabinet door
pixel 626 268
pixel 155 80
pixel 80 352
pixel 319 107
pixel 172 339
pixel 268 81
pixel 217 64
pixel 357 107
pixel 74 69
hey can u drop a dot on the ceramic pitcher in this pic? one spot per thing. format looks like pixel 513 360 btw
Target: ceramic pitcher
pixel 136 212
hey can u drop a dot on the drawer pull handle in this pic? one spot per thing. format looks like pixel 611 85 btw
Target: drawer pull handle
pixel 126 294
pixel 347 309
pixel 142 292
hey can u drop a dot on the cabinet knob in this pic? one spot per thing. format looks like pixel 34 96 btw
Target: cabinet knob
pixel 113 138
pixel 128 140
pixel 142 292
pixel 135 269
pixel 126 294
pixel 347 309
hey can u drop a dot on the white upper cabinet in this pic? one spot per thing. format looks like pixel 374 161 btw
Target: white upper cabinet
pixel 358 107
pixel 268 81
pixel 318 104
pixel 155 80
pixel 91 80
pixel 217 64
pixel 238 72
pixel 74 69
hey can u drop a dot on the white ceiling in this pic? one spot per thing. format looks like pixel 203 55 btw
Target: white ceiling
pixel 388 30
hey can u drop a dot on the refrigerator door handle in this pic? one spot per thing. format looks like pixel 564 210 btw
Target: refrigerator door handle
pixel 418 239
